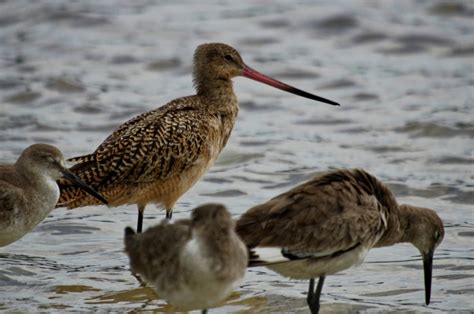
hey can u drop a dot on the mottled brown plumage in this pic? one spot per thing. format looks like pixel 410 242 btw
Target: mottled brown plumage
pixel 157 156
pixel 330 223
pixel 193 263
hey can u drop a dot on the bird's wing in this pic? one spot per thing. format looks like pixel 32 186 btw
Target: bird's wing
pixel 121 130
pixel 151 147
pixel 318 218
pixel 12 199
pixel 146 249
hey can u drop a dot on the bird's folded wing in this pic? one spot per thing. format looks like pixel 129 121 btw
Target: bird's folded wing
pixel 155 147
pixel 261 256
pixel 311 221
pixel 12 200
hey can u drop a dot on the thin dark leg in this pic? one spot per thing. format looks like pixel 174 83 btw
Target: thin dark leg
pixel 169 213
pixel 204 311
pixel 313 301
pixel 310 296
pixel 319 288
pixel 141 209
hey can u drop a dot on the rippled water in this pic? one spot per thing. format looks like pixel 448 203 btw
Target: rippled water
pixel 71 71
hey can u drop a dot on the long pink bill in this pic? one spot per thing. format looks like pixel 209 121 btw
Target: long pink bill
pixel 257 76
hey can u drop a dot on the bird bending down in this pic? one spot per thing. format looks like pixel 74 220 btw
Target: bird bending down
pixel 193 264
pixel 157 156
pixel 29 192
pixel 329 224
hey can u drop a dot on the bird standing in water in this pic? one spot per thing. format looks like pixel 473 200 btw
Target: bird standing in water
pixel 29 192
pixel 157 156
pixel 192 263
pixel 330 223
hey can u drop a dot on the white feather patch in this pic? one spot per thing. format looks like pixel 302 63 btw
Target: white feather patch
pixel 267 255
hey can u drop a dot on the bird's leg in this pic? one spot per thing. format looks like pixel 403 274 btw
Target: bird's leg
pixel 204 311
pixel 141 209
pixel 313 299
pixel 169 213
pixel 310 296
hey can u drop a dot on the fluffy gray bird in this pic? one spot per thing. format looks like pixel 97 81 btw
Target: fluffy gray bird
pixel 29 192
pixel 193 264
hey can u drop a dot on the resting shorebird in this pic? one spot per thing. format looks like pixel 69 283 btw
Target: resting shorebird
pixel 193 264
pixel 157 156
pixel 29 192
pixel 329 224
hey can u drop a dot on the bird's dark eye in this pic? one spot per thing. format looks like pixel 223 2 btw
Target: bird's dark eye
pixel 228 58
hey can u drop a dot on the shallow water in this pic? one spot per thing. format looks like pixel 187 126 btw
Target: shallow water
pixel 70 72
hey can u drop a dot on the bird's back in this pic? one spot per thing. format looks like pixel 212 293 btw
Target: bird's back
pixel 12 196
pixel 155 253
pixel 332 208
pixel 8 174
pixel 141 159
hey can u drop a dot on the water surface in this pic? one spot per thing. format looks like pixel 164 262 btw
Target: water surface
pixel 70 72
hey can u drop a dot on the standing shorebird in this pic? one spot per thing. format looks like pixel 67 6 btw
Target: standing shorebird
pixel 193 264
pixel 329 224
pixel 29 192
pixel 157 156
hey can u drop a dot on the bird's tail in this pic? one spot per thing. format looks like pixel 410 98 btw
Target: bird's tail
pixel 129 240
pixel 71 196
pixel 262 256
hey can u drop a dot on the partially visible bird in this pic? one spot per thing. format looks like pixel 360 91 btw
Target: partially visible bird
pixel 193 264
pixel 330 223
pixel 29 192
pixel 157 156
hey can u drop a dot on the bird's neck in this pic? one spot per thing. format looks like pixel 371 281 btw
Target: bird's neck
pixel 216 90
pixel 216 239
pixel 410 219
pixel 398 228
pixel 44 186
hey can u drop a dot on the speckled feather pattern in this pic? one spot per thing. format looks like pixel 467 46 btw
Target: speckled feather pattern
pixel 154 157
pixel 158 155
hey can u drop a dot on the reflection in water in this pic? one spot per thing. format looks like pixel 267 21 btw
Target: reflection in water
pixel 145 294
pixel 73 289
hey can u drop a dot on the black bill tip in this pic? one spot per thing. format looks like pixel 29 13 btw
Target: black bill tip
pixel 262 78
pixel 428 270
pixel 302 93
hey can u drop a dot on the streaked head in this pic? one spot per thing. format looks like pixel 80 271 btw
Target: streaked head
pixel 217 61
pixel 425 231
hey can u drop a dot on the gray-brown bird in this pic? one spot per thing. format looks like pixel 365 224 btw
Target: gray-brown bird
pixel 157 156
pixel 29 192
pixel 330 223
pixel 192 263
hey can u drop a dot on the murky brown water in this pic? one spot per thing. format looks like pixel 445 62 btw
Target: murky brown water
pixel 70 72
